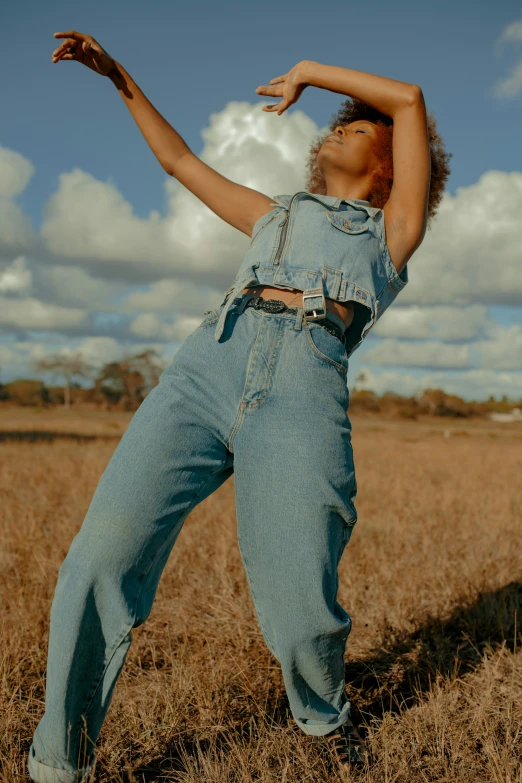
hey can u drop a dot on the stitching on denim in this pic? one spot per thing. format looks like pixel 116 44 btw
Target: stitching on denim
pixel 242 405
pixel 265 225
pixel 343 370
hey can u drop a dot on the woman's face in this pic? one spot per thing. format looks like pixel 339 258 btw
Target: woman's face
pixel 348 152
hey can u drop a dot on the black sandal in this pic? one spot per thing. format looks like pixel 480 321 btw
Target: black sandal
pixel 347 745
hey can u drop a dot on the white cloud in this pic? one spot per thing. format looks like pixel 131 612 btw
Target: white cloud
pixel 93 248
pixel 415 354
pixel 511 86
pixel 472 252
pixel 89 221
pixel 73 286
pixel 470 384
pixel 442 322
pixel 150 326
pixel 503 351
pixel 511 32
pixel 15 278
pixel 499 349
pixel 173 297
pixel 29 313
pixel 16 233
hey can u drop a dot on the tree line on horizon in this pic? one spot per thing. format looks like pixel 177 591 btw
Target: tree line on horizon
pixel 124 385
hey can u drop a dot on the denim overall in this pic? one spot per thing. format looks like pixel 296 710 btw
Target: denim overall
pixel 258 396
pixel 292 243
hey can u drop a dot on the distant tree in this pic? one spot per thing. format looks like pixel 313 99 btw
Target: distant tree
pixel 360 381
pixel 149 364
pixel 67 365
pixel 26 391
pixel 128 382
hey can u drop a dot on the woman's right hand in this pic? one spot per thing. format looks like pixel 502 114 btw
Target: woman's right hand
pixel 85 50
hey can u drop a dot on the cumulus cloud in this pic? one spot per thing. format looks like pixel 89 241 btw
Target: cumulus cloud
pixel 72 286
pixel 172 296
pixel 29 313
pixel 442 322
pixel 16 277
pixel 97 269
pixel 89 222
pixel 503 351
pixel 499 349
pixel 470 384
pixel 429 354
pixel 16 232
pixel 149 326
pixel 511 85
pixel 472 252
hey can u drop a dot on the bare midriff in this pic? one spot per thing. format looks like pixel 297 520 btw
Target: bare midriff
pixel 293 297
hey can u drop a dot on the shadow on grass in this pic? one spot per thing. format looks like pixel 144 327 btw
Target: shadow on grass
pixel 392 678
pixel 32 436
pixel 404 666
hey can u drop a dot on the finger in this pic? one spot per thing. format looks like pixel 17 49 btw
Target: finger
pixel 279 78
pixel 62 48
pixel 71 34
pixel 276 92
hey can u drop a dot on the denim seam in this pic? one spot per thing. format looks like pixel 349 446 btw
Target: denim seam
pixel 242 405
pixel 263 227
pixel 343 370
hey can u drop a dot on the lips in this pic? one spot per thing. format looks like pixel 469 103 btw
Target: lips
pixel 334 138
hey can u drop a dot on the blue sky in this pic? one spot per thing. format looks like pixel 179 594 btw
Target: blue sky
pixel 78 177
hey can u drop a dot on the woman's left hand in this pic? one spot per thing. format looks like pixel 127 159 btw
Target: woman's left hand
pixel 289 87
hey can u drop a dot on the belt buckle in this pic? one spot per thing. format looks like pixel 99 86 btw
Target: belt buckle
pixel 314 313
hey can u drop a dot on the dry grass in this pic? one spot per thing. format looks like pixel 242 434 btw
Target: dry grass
pixel 431 577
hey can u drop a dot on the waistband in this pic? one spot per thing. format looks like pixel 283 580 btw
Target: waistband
pixel 249 277
pixel 239 303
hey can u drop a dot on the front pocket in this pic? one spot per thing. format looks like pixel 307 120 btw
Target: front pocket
pixel 326 347
pixel 348 224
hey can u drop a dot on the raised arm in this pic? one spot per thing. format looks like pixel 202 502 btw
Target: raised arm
pixel 406 211
pixel 236 204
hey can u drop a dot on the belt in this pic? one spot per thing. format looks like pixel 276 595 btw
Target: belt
pixel 277 306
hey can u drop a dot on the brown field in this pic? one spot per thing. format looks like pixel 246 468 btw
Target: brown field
pixel 431 577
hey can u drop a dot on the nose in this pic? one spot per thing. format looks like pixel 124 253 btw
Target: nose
pixel 339 131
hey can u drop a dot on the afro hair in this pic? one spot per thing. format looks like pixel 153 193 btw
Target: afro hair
pixel 354 109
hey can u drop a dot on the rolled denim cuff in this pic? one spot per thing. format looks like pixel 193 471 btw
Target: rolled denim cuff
pixel 43 773
pixel 319 728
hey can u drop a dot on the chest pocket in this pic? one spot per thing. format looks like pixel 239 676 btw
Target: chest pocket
pixel 349 222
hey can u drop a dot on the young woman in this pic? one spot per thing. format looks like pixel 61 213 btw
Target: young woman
pixel 259 390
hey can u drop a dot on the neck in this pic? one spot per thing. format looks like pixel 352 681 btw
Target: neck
pixel 346 187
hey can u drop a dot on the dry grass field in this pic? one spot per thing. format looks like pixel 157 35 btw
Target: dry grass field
pixel 432 578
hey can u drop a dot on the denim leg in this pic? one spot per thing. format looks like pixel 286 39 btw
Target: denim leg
pixel 166 463
pixel 295 486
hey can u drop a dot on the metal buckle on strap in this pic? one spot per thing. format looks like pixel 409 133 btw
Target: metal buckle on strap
pixel 316 311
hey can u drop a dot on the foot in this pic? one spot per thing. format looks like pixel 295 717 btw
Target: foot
pixel 347 746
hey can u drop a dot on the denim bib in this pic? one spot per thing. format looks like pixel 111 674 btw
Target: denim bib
pixel 322 245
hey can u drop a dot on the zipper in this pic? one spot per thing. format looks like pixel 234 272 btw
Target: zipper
pixel 262 229
pixel 282 238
